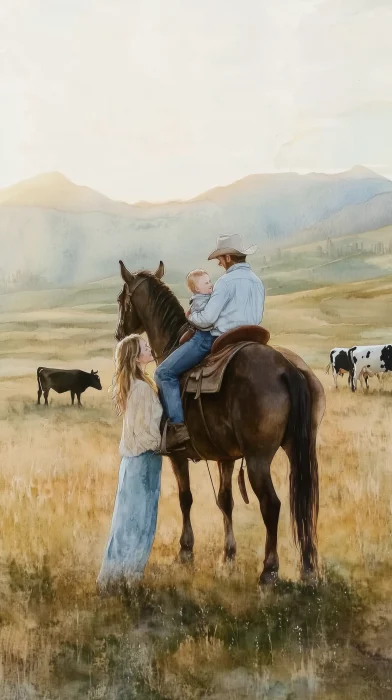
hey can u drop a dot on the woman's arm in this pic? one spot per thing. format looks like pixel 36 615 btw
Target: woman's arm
pixel 142 419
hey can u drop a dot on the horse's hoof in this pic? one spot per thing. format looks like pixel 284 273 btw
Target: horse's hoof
pixel 229 555
pixel 185 556
pixel 268 577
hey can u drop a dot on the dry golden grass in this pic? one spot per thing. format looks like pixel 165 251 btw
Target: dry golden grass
pixel 59 471
pixel 199 632
pixel 57 485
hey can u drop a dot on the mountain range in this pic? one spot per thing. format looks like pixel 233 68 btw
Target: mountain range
pixel 54 232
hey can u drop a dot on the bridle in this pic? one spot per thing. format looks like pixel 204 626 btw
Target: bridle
pixel 170 346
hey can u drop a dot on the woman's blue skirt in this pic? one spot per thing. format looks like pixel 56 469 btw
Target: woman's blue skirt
pixel 134 519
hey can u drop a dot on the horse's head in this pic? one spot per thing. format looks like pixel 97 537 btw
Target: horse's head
pixel 128 318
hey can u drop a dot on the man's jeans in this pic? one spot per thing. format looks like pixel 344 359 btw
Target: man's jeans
pixel 168 373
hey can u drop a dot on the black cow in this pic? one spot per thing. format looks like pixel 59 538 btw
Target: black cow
pixel 340 363
pixel 74 380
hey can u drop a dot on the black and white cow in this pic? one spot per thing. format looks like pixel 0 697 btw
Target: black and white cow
pixel 61 380
pixel 340 363
pixel 369 359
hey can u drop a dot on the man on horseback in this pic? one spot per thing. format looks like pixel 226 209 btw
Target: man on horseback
pixel 237 300
pixel 269 399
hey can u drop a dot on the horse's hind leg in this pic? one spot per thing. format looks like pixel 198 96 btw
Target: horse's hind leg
pixel 181 471
pixel 260 479
pixel 226 503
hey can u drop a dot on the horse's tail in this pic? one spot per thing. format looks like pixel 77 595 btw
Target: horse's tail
pixel 304 483
pixel 331 354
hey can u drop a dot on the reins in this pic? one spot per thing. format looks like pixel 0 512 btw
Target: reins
pixel 213 487
pixel 204 459
pixel 241 482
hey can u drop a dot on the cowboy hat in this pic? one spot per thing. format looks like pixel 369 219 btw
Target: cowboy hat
pixel 231 244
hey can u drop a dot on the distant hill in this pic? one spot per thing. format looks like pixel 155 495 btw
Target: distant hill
pixel 375 213
pixel 55 232
pixel 313 322
pixel 331 261
pixel 54 191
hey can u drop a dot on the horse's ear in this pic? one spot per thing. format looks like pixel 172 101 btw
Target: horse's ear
pixel 127 276
pixel 160 271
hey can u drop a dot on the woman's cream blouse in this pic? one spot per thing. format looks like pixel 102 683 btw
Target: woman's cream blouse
pixel 141 421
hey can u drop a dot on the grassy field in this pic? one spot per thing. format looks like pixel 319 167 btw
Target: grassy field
pixel 205 631
pixel 307 266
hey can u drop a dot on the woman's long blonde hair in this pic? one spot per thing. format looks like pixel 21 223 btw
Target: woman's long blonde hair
pixel 127 370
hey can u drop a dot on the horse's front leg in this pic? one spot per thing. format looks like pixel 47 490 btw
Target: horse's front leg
pixel 226 504
pixel 181 470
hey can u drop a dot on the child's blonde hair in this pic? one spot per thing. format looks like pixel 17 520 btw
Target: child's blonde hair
pixel 192 277
pixel 127 370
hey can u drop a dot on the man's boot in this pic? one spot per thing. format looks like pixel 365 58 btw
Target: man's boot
pixel 175 436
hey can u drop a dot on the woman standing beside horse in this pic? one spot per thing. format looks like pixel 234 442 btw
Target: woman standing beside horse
pixel 136 506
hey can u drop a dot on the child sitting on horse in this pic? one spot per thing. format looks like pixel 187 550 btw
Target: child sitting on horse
pixel 199 283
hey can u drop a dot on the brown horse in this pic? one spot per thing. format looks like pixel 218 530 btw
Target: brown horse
pixel 264 403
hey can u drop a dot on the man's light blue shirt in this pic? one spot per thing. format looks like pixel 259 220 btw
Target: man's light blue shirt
pixel 237 300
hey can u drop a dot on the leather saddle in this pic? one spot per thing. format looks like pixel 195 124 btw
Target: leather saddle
pixel 207 377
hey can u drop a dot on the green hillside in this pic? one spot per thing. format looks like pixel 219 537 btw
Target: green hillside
pixel 47 327
pixel 314 321
pixel 288 270
pixel 328 262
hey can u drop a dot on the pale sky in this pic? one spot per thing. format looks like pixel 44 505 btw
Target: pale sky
pixel 159 99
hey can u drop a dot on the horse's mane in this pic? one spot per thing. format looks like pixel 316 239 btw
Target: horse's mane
pixel 165 303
